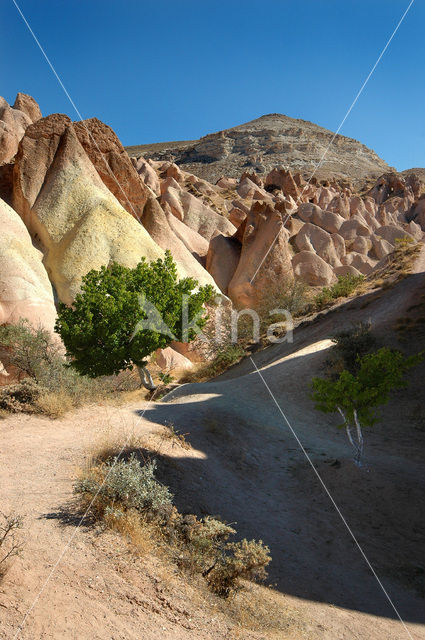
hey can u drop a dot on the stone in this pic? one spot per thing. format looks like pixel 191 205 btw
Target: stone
pixel 222 259
pixel 346 270
pixel 350 229
pixel 25 290
pixel 170 360
pixel 265 257
pixel 196 244
pixel 72 217
pixel 13 124
pixel 28 105
pixel 113 164
pixel 148 175
pixel 391 233
pixel 310 268
pixel 339 245
pixel 282 179
pixel 362 263
pixel 313 238
pixel 156 223
pixel 227 183
pixel 195 214
pixel 380 247
pixel 361 244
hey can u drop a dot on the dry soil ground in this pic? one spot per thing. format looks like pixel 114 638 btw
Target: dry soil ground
pixel 246 465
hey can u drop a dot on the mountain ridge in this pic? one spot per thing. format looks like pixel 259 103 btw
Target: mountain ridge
pixel 266 142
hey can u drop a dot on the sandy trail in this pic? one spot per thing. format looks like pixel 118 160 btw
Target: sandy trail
pixel 246 466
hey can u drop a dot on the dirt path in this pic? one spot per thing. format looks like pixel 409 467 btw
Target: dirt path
pixel 246 466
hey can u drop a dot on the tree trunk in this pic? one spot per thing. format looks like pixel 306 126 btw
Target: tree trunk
pixel 358 458
pixel 146 378
pixel 347 428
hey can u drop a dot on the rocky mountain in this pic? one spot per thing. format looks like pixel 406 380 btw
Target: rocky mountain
pixel 267 142
pixel 76 201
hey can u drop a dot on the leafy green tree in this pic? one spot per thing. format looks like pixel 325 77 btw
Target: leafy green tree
pixel 123 315
pixel 357 396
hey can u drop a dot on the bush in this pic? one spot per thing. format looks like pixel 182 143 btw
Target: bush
pixel 126 484
pixel 341 289
pixel 293 296
pixel 126 496
pixel 22 396
pixel 352 344
pixel 9 543
pixel 50 386
pixel 246 559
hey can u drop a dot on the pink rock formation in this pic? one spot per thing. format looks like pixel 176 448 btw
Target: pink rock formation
pixel 70 214
pixel 156 223
pixel 283 179
pixel 196 244
pixel 195 214
pixel 112 164
pixel 327 220
pixel 28 105
pixel 346 270
pixel 264 236
pixel 313 238
pixel 148 175
pixel 222 259
pixel 13 124
pixel 391 233
pixel 353 228
pixel 170 360
pixel 312 269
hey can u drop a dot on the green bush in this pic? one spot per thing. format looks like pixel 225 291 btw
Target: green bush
pixel 122 315
pixel 341 289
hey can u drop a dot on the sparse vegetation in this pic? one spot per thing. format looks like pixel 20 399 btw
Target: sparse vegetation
pixel 47 385
pixel 225 355
pixel 352 344
pixel 345 286
pixel 10 545
pixel 125 495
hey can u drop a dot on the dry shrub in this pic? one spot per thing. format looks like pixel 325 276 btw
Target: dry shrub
pixel 10 544
pixel 124 495
pixel 54 404
pixel 21 396
pixel 173 435
pixel 246 559
pixel 50 385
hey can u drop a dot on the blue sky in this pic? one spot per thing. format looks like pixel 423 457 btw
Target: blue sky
pixel 176 70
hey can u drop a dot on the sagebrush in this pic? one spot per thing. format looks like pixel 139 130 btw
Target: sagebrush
pixel 125 495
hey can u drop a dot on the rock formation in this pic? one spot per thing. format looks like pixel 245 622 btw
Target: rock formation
pixel 265 143
pixel 25 290
pixel 71 215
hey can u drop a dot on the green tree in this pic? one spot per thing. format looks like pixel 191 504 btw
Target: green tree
pixel 358 396
pixel 123 315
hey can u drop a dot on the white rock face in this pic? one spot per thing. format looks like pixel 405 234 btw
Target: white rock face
pixel 25 290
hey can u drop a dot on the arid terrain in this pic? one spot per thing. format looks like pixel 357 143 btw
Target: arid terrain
pixel 246 443
pixel 265 143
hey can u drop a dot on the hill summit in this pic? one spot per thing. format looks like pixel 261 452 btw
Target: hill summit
pixel 264 143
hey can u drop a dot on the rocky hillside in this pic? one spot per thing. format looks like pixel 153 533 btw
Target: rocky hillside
pixel 264 143
pixel 71 200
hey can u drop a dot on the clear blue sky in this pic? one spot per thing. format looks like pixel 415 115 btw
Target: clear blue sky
pixel 179 69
